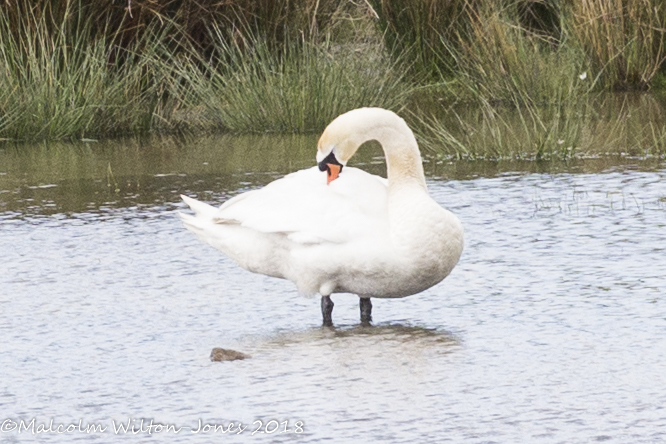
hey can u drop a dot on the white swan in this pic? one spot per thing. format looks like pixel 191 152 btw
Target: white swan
pixel 334 231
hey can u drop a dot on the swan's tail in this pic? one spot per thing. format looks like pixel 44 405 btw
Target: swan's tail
pixel 200 208
pixel 204 213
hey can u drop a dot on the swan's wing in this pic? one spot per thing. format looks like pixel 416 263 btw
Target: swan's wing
pixel 307 210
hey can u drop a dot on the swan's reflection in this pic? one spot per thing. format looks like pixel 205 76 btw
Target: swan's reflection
pixel 364 363
pixel 388 336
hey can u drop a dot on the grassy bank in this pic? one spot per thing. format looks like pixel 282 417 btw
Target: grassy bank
pixel 478 80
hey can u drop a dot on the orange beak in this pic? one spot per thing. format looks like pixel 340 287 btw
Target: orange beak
pixel 332 172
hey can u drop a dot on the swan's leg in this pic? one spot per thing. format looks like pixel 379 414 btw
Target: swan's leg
pixel 366 310
pixel 326 310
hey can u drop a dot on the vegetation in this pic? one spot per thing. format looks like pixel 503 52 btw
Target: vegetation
pixel 300 91
pixel 513 78
pixel 622 124
pixel 538 79
pixel 619 43
pixel 59 81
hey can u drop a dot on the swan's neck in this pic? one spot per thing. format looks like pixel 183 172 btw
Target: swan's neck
pixel 403 159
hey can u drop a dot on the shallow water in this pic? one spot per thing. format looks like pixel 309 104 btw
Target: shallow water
pixel 551 329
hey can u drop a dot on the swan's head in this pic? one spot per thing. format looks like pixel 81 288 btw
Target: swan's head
pixel 346 133
pixel 332 151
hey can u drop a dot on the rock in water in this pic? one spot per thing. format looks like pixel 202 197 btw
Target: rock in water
pixel 223 354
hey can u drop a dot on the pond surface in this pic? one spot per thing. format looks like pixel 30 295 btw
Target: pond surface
pixel 552 328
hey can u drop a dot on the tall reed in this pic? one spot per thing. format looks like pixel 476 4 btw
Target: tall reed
pixel 500 60
pixel 608 124
pixel 624 41
pixel 527 68
pixel 248 88
pixel 58 81
pixel 525 81
pixel 128 20
pixel 621 44
pixel 420 27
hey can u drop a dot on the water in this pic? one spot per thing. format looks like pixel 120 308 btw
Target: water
pixel 551 329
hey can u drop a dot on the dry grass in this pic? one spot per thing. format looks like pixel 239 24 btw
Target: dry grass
pixel 624 41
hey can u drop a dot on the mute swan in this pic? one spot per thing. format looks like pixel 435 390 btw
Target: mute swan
pixel 337 229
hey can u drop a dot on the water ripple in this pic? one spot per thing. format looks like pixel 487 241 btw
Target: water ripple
pixel 551 329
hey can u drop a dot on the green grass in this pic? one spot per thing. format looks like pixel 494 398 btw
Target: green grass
pixel 605 124
pixel 69 80
pixel 621 45
pixel 248 88
pixel 477 80
pixel 623 42
pixel 535 92
pixel 62 84
pixel 424 30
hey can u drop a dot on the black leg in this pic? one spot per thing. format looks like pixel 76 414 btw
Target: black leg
pixel 366 311
pixel 326 310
